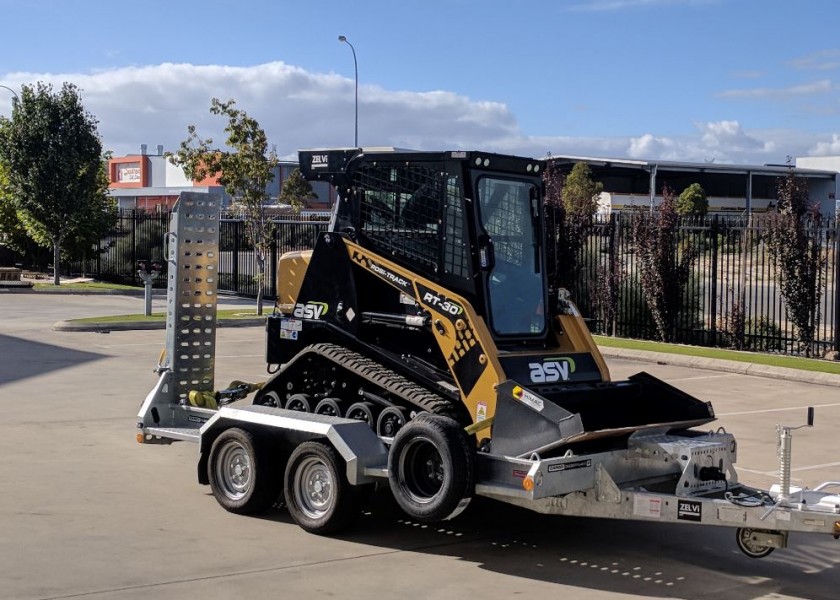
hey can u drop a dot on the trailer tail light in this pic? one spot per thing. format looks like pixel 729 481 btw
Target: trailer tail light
pixel 528 484
pixel 141 438
pixel 836 529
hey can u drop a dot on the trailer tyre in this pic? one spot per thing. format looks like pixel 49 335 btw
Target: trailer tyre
pixel 239 472
pixel 743 537
pixel 431 468
pixel 318 495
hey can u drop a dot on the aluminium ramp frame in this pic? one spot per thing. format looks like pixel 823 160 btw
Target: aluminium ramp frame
pixel 191 299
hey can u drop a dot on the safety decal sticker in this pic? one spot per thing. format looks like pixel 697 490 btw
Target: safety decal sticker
pixel 285 334
pixel 481 412
pixel 575 464
pixel 644 506
pixel 291 324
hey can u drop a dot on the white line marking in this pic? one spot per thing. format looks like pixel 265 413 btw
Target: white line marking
pixel 706 377
pixel 771 410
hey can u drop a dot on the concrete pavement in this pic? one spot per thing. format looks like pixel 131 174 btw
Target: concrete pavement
pixel 88 513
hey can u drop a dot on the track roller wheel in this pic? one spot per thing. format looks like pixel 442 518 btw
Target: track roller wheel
pixel 431 468
pixel 328 406
pixel 318 495
pixel 362 411
pixel 271 399
pixel 390 421
pixel 299 402
pixel 240 473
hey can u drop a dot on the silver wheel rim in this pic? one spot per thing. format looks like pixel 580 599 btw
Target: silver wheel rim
pixel 234 470
pixel 314 487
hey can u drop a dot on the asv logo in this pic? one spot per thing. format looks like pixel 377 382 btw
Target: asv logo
pixel 550 371
pixel 311 310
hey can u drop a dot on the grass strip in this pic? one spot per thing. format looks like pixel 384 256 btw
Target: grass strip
pixel 774 360
pixel 138 318
pixel 84 285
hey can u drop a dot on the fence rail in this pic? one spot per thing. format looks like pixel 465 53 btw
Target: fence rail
pixel 733 276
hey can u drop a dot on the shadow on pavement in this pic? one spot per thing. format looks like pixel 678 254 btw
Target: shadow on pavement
pixel 23 358
pixel 639 559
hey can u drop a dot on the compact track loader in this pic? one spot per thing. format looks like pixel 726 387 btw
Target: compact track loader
pixel 422 341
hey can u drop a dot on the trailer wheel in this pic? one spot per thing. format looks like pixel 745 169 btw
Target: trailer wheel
pixel 318 495
pixel 431 468
pixel 746 545
pixel 239 473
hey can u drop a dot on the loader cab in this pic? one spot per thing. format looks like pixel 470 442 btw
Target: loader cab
pixel 469 221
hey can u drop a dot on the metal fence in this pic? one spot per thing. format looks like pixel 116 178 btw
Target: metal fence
pixel 733 276
pixel 733 272
pixel 140 235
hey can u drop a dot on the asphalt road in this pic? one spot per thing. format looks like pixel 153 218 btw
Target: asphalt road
pixel 86 512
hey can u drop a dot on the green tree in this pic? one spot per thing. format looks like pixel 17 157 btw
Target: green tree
pixel 664 267
pixel 580 194
pixel 693 201
pixel 50 149
pixel 245 171
pixel 794 242
pixel 571 201
pixel 296 191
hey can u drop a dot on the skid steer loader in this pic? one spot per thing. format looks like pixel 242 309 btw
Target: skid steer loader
pixel 423 341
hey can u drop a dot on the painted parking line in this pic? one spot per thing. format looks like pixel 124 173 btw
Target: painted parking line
pixel 772 410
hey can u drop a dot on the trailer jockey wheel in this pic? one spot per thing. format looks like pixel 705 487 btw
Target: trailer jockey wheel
pixel 239 473
pixel 743 537
pixel 431 468
pixel 318 495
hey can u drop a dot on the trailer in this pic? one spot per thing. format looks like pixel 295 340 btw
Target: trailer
pixel 631 450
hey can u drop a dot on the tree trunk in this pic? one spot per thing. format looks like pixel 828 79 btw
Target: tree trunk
pixel 56 260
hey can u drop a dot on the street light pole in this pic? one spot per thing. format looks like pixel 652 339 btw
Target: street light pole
pixel 342 38
pixel 14 93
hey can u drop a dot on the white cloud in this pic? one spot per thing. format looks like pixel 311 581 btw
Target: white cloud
pixel 826 148
pixel 806 89
pixel 825 60
pixel 298 109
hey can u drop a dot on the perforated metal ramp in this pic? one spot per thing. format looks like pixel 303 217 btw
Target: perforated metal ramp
pixel 192 283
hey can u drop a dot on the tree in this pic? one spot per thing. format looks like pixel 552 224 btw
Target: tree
pixel 571 201
pixel 793 239
pixel 244 172
pixel 580 194
pixel 296 191
pixel 692 202
pixel 51 151
pixel 664 267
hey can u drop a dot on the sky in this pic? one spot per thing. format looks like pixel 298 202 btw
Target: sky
pixel 727 81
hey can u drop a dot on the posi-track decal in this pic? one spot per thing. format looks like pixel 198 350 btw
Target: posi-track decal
pixel 384 273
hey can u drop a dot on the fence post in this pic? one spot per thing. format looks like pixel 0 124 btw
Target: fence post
pixel 713 299
pixel 236 233
pixel 133 266
pixel 837 283
pixel 272 268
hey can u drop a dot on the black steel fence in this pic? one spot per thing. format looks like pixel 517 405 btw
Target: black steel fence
pixel 732 298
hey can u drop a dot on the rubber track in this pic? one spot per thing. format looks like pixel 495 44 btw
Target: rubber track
pixel 379 375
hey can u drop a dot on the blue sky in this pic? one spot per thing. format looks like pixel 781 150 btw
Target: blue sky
pixel 724 80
